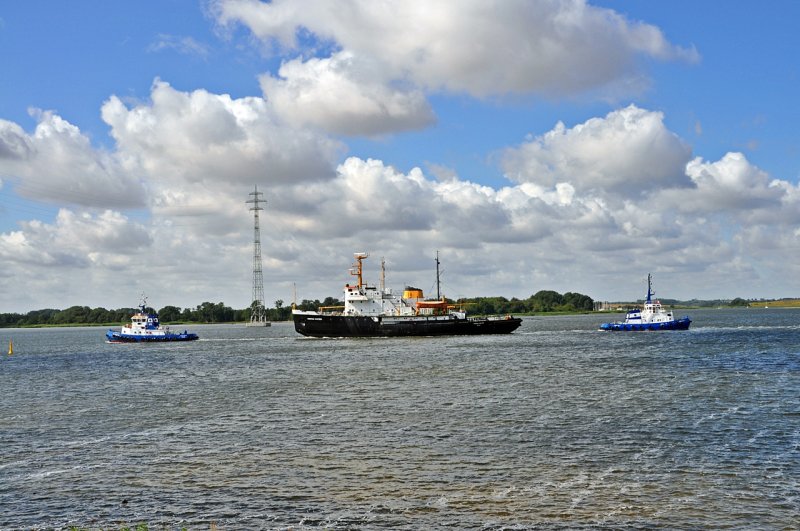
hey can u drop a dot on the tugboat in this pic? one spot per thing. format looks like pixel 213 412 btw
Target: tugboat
pixel 372 312
pixel 652 317
pixel 145 328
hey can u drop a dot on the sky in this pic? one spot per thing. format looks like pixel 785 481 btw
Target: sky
pixel 535 144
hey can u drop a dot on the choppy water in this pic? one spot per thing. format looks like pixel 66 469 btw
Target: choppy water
pixel 554 426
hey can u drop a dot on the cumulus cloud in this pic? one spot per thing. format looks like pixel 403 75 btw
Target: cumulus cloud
pixel 737 191
pixel 513 237
pixel 370 198
pixel 629 152
pixel 616 188
pixel 732 183
pixel 58 164
pixel 14 142
pixel 340 95
pixel 188 159
pixel 474 47
pixel 196 137
pixel 108 239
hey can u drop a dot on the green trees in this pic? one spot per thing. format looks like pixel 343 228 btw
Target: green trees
pixel 10 319
pixel 578 302
pixel 308 305
pixel 546 301
pixel 540 302
pixel 73 314
pixel 210 312
pixel 206 312
pixel 169 313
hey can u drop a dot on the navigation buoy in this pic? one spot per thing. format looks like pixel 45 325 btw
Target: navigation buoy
pixel 10 347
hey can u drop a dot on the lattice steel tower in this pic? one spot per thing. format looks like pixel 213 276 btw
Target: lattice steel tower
pixel 258 312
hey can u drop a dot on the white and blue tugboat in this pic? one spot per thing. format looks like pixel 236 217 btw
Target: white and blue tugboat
pixel 652 317
pixel 144 327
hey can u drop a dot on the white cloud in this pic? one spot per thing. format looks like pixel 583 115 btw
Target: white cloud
pixel 75 240
pixel 108 259
pixel 58 164
pixel 567 223
pixel 628 152
pixel 14 142
pixel 183 138
pixel 343 95
pixel 732 183
pixel 734 190
pixel 197 155
pixel 479 48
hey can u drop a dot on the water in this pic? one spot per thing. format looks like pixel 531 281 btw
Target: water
pixel 554 426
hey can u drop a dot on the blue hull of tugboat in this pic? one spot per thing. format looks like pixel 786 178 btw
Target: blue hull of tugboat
pixel 116 337
pixel 679 324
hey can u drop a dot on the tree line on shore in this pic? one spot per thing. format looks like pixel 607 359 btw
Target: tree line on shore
pixel 209 312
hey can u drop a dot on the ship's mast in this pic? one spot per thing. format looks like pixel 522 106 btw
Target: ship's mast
pixel 438 281
pixel 258 313
pixel 649 292
pixel 383 274
pixel 357 269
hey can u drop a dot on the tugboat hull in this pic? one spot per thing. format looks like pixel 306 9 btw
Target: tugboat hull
pixel 116 337
pixel 321 325
pixel 678 324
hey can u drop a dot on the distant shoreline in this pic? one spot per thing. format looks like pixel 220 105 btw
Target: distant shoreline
pixel 111 325
pixel 619 308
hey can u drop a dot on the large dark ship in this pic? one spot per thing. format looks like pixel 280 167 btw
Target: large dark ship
pixel 372 312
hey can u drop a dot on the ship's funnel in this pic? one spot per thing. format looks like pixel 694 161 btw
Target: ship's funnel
pixel 412 293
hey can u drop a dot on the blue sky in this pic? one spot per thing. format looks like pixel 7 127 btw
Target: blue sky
pixel 573 146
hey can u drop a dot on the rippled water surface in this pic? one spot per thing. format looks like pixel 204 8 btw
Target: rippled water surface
pixel 555 426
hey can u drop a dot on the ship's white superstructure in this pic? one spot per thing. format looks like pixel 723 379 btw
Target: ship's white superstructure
pixel 362 299
pixel 369 311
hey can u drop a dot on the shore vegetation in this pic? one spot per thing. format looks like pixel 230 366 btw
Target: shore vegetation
pixel 542 302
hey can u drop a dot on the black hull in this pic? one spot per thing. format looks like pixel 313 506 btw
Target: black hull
pixel 321 325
